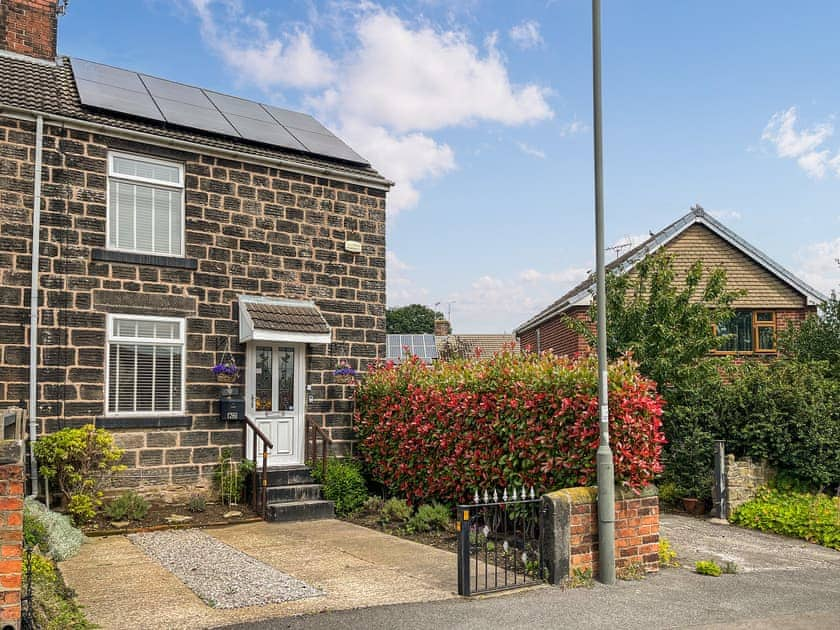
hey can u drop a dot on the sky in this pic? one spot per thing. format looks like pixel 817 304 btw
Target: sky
pixel 481 113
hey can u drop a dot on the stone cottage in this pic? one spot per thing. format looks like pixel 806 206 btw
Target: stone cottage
pixel 168 229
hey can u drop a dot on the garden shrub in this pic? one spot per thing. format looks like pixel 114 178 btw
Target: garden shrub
pixel 53 604
pixel 708 567
pixel 128 506
pixel 443 431
pixel 197 503
pixel 429 518
pixel 231 478
pixel 34 532
pixel 63 540
pixel 396 510
pixel 814 517
pixel 80 461
pixel 343 484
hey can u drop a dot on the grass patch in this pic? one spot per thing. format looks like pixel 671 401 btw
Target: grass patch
pixel 53 604
pixel 667 554
pixel 813 517
pixel 708 567
pixel 580 578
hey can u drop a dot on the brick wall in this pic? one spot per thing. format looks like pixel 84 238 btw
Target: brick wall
pixel 11 529
pixel 28 27
pixel 250 228
pixel 571 531
pixel 556 336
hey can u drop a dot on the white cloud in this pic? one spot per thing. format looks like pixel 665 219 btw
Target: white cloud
pixel 529 150
pixel 527 34
pixel 401 288
pixel 408 78
pixel 726 215
pixel 387 91
pixel 805 145
pixel 290 60
pixel 818 265
pixel 573 128
pixel 493 304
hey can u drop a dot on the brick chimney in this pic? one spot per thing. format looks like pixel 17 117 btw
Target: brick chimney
pixel 442 328
pixel 28 27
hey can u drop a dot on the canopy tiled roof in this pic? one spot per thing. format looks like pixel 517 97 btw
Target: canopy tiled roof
pixel 304 318
pixel 490 344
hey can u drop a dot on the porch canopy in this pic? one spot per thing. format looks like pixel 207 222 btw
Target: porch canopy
pixel 278 320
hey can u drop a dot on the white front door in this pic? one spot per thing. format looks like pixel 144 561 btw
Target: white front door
pixel 274 398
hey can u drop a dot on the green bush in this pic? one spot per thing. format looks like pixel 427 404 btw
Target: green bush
pixel 814 517
pixel 429 518
pixel 708 567
pixel 667 554
pixel 373 505
pixel 129 506
pixel 80 461
pixel 232 478
pixel 34 531
pixel 396 511
pixel 197 503
pixel 444 430
pixel 343 484
pixel 63 540
pixel 52 602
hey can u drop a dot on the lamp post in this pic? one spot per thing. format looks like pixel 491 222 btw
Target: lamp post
pixel 604 456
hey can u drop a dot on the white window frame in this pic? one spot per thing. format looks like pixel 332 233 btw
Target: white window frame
pixel 133 179
pixel 112 338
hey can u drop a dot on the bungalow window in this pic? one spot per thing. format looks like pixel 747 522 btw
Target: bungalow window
pixel 749 331
pixel 145 372
pixel 145 205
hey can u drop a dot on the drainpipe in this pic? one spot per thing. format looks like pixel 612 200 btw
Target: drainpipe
pixel 33 306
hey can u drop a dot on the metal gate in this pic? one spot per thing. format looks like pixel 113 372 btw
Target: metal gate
pixel 499 542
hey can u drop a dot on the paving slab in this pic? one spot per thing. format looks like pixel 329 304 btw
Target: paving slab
pixel 122 588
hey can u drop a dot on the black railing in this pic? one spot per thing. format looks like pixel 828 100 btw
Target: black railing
pixel 499 542
pixel 258 496
pixel 314 432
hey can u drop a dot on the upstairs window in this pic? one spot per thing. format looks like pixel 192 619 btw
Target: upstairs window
pixel 749 331
pixel 145 365
pixel 145 205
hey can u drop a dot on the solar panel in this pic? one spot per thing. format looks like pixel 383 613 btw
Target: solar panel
pixel 421 346
pixel 267 132
pixel 324 144
pixel 142 95
pixel 239 106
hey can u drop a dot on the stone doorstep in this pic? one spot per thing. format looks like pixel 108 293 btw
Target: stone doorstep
pixel 300 511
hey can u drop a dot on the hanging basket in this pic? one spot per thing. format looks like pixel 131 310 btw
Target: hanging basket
pixel 226 378
pixel 345 379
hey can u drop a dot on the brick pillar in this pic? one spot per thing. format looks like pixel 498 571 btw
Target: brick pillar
pixel 28 27
pixel 570 530
pixel 11 529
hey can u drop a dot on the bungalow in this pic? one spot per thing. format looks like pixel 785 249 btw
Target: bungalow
pixel 774 296
pixel 150 230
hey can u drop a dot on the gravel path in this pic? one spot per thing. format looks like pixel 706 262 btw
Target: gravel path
pixel 219 574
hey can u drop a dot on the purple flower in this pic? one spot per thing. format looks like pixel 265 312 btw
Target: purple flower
pixel 228 369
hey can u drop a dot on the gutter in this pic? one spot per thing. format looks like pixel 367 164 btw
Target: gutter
pixel 378 182
pixel 33 305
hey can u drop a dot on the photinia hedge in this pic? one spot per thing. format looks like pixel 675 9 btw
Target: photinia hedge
pixel 445 430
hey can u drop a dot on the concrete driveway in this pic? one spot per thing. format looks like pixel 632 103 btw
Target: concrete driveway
pixel 122 588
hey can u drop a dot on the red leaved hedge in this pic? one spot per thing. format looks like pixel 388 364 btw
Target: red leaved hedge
pixel 514 420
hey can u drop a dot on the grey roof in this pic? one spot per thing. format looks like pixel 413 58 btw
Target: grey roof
pixel 580 295
pixel 41 87
pixel 287 317
pixel 489 344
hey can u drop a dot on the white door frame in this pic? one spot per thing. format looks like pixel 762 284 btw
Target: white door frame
pixel 291 452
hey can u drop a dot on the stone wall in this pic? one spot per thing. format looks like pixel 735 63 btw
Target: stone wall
pixel 743 478
pixel 570 531
pixel 250 229
pixel 11 529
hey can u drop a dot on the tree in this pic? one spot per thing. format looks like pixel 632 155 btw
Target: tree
pixel 817 338
pixel 413 319
pixel 667 327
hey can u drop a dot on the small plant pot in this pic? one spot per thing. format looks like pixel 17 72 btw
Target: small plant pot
pixel 697 507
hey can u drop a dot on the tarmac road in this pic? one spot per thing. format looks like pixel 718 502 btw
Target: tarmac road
pixel 781 583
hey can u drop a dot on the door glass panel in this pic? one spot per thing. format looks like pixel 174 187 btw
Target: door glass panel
pixel 286 379
pixel 262 399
